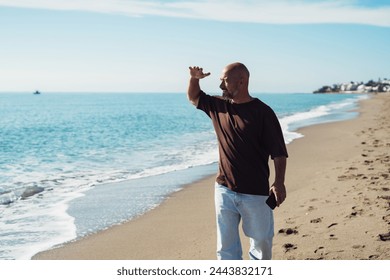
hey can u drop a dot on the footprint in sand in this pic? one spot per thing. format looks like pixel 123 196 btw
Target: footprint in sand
pixel 355 213
pixel 321 252
pixel 288 231
pixel 385 236
pixel 319 248
pixel 386 218
pixel 332 237
pixel 288 247
pixel 358 246
pixel 316 221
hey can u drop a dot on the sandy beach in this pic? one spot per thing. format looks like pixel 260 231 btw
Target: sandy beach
pixel 337 207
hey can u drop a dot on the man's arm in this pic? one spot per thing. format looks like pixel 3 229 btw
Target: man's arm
pixel 278 186
pixel 193 92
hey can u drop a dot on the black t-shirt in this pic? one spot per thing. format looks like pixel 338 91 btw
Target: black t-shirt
pixel 248 134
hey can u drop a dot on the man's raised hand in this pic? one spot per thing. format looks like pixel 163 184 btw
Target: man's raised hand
pixel 197 72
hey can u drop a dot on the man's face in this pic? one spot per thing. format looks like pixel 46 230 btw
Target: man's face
pixel 229 84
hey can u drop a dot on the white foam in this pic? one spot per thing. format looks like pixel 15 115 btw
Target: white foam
pixel 35 227
pixel 320 114
pixel 41 221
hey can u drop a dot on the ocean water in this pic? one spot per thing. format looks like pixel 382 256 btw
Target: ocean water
pixel 96 160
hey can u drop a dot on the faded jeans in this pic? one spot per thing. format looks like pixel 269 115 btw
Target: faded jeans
pixel 257 223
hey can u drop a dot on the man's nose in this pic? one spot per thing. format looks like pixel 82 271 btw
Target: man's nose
pixel 222 85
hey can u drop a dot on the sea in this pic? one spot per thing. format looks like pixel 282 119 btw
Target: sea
pixel 72 164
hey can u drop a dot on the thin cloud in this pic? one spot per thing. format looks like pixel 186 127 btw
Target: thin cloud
pixel 271 12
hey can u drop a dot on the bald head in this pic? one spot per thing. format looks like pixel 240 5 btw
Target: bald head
pixel 238 70
pixel 235 81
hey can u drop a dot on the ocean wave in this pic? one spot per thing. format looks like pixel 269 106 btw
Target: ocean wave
pixel 333 111
pixel 59 183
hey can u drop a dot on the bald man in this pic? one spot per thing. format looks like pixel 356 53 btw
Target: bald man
pixel 248 134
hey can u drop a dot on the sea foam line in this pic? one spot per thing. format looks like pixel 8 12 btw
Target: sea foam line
pixel 321 114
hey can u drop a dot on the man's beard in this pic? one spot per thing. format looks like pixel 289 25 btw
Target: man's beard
pixel 228 95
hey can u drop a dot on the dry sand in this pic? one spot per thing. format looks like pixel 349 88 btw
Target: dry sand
pixel 337 207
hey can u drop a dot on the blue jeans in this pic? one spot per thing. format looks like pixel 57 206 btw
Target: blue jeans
pixel 257 223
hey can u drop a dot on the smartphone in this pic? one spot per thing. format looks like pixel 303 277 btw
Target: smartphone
pixel 271 201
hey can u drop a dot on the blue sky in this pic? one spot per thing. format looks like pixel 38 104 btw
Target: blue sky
pixel 147 46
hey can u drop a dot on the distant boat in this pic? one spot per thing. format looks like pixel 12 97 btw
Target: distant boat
pixel 37 92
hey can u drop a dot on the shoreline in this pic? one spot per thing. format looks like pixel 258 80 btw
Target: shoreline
pixel 326 202
pixel 154 231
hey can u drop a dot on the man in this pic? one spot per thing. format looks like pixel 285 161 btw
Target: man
pixel 248 133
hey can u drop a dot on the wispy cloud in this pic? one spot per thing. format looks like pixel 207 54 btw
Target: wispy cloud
pixel 272 12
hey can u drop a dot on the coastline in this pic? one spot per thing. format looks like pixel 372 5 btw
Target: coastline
pixel 335 185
